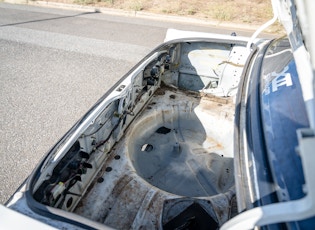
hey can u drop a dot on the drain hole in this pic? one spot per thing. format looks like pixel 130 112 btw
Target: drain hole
pixel 163 130
pixel 100 180
pixel 147 148
pixel 108 169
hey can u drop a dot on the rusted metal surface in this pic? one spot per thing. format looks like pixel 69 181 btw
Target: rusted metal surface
pixel 190 161
pixel 159 147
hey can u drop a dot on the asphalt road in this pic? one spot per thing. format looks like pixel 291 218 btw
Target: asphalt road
pixel 54 65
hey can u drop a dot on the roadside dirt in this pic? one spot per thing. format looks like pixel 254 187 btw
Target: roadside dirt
pixel 255 12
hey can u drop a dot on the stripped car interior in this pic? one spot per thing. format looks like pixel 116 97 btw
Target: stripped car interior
pixel 159 147
pixel 208 131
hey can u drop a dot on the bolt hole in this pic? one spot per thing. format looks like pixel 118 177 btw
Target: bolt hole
pixel 108 169
pixel 100 180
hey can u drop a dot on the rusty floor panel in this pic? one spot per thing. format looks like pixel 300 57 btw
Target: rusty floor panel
pixel 179 151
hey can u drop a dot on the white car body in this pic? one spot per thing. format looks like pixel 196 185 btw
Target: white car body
pixel 161 96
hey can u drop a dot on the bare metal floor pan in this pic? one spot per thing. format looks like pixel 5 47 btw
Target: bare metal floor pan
pixel 176 153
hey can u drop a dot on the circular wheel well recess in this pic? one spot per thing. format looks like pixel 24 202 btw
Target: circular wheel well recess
pixel 183 152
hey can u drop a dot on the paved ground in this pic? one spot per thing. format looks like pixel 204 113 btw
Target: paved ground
pixel 54 65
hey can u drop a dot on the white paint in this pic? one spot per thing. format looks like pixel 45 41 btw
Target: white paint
pixel 282 79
